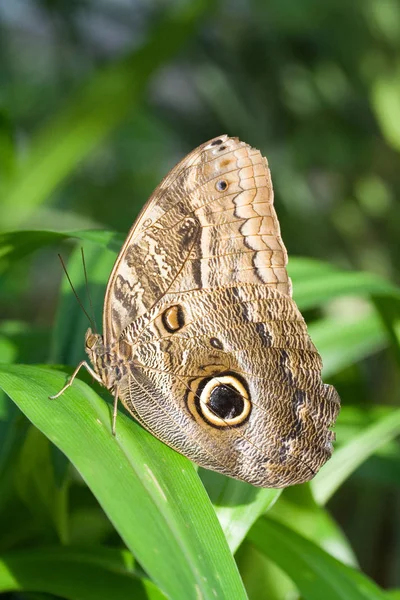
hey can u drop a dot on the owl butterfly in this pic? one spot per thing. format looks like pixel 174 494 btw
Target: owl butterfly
pixel 202 341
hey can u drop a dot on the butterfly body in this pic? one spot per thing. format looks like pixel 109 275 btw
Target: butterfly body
pixel 202 341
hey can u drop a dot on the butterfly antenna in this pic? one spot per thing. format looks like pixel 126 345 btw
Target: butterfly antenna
pixel 93 319
pixel 74 291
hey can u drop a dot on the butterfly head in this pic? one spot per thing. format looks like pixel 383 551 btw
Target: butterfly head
pixel 108 362
pixel 95 349
pixel 93 342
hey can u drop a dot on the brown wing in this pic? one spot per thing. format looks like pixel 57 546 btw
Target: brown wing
pixel 210 223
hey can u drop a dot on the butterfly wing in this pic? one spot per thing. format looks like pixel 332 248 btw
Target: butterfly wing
pixel 219 364
pixel 210 222
pixel 237 387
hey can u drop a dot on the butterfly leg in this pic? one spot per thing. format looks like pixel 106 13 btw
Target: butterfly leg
pixel 115 411
pixel 83 363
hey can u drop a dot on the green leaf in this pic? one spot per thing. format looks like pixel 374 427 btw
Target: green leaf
pixel 386 102
pixel 76 574
pixel 383 467
pixel 348 458
pixel 237 504
pixel 389 311
pixel 316 574
pixel 94 112
pixel 16 245
pixel 151 494
pixel 343 343
pixel 36 483
pixel 261 577
pixel 68 334
pixel 298 510
pixel 315 282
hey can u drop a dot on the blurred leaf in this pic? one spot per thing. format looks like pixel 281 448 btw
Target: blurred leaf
pixel 342 343
pixel 89 523
pixel 13 424
pixel 237 504
pixel 68 334
pixel 298 510
pixel 15 245
pixel 7 148
pixel 383 467
pixel 13 431
pixel 76 574
pixel 348 458
pixel 22 342
pixel 261 577
pixel 94 112
pixel 18 244
pixel 316 574
pixel 215 87
pixel 315 282
pixel 151 494
pixel 37 486
pixel 389 310
pixel 386 102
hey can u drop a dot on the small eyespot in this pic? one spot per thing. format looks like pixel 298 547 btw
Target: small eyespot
pixel 216 142
pixel 215 343
pixel 173 318
pixel 222 148
pixel 222 400
pixel 221 185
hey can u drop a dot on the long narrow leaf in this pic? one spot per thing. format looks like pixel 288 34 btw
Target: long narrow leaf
pixel 237 504
pixel 151 494
pixel 316 574
pixel 346 459
pixel 75 574
pixel 315 282
pixel 344 343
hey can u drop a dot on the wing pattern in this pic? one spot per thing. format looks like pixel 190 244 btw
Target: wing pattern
pixel 210 223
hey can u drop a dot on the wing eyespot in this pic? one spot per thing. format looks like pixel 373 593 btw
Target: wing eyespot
pixel 216 143
pixel 221 400
pixel 173 318
pixel 216 343
pixel 221 185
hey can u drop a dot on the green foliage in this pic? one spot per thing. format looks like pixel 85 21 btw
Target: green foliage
pixel 93 111
pixel 138 481
pixel 315 573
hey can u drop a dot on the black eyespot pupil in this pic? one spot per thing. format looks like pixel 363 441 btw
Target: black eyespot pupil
pixel 222 148
pixel 215 343
pixel 216 142
pixel 221 185
pixel 226 402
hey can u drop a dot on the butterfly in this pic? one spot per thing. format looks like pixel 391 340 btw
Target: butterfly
pixel 202 341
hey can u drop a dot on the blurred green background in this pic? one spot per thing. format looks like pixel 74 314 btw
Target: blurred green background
pixel 99 99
